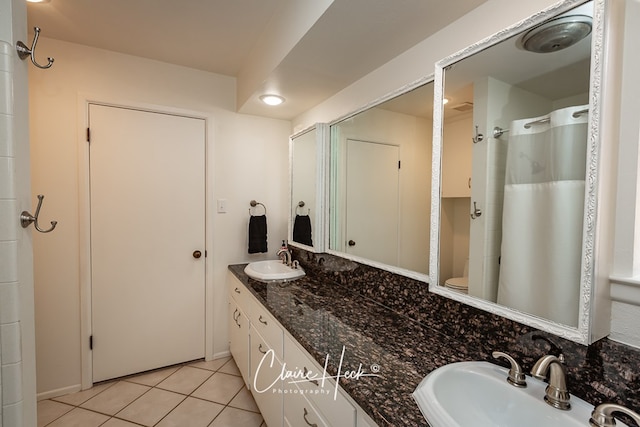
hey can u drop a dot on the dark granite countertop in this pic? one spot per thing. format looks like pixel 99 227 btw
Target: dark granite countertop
pixel 392 326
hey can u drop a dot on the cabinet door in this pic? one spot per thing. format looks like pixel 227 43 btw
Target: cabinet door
pixel 266 385
pixel 456 157
pixel 299 412
pixel 239 338
pixel 331 404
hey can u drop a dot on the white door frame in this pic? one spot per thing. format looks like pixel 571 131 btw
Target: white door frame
pixel 84 222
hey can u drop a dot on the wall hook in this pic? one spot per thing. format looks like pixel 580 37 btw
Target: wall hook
pixel 26 218
pixel 476 212
pixel 24 51
pixel 478 138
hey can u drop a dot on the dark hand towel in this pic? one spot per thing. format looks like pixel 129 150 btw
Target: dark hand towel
pixel 302 230
pixel 257 234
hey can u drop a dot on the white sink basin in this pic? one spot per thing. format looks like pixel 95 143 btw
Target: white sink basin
pixel 272 270
pixel 477 394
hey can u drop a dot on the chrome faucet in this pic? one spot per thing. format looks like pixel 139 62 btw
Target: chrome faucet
pixel 284 254
pixel 516 375
pixel 602 415
pixel 556 392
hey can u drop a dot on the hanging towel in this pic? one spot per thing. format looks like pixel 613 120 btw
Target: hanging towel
pixel 302 230
pixel 257 234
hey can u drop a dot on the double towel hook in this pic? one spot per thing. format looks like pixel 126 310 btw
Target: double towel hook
pixel 26 218
pixel 24 52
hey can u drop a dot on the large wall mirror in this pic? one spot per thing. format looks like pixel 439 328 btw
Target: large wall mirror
pixel 517 144
pixel 308 152
pixel 380 182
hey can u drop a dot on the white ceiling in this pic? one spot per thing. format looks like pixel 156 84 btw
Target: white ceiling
pixel 305 50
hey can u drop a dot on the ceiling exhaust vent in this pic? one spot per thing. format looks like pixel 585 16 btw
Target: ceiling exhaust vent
pixel 465 106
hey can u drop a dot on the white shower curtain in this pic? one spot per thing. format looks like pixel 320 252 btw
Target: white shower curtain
pixel 543 215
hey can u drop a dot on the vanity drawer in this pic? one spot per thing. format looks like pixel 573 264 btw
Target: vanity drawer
pixel 266 386
pixel 298 411
pixel 240 294
pixel 338 411
pixel 268 327
pixel 239 338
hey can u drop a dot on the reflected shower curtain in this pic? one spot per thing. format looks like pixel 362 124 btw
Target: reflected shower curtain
pixel 543 214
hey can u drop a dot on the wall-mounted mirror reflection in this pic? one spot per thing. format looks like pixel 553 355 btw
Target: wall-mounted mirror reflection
pixel 514 154
pixel 307 151
pixel 380 183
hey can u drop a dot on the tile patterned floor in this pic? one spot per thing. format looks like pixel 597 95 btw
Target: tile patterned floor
pixel 198 394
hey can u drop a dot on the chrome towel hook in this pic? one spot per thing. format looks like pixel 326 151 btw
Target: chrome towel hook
pixel 476 211
pixel 478 137
pixel 24 51
pixel 26 218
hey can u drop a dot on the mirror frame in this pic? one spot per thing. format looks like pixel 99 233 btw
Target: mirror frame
pixel 428 79
pixel 322 179
pixel 584 333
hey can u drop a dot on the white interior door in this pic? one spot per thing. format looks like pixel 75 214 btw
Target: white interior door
pixel 147 180
pixel 372 207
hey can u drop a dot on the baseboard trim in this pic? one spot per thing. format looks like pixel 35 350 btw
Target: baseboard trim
pixel 58 392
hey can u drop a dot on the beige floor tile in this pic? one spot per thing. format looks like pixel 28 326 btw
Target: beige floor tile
pixel 212 365
pixel 114 422
pixel 230 368
pixel 152 378
pixel 80 418
pixel 192 413
pixel 185 380
pixel 48 411
pixel 77 399
pixel 244 400
pixel 115 398
pixel 219 388
pixel 232 417
pixel 151 407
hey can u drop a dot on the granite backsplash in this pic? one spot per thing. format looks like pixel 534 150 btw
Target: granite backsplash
pixel 605 371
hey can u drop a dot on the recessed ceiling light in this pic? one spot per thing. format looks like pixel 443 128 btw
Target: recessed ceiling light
pixel 272 99
pixel 38 1
pixel 444 101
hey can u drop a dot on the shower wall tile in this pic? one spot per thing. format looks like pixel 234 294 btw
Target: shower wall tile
pixel 6 92
pixel 6 136
pixel 12 415
pixel 9 214
pixel 7 178
pixel 9 293
pixel 8 261
pixel 10 343
pixel 11 383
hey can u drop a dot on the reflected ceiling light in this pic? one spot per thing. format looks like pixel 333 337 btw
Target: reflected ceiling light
pixel 272 99
pixel 38 1
pixel 444 101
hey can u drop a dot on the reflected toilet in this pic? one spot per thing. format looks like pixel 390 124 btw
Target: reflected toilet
pixel 459 284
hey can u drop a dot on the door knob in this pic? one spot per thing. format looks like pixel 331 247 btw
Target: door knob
pixel 351 243
pixel 197 254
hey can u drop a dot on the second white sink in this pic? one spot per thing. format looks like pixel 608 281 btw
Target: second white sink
pixel 477 394
pixel 272 270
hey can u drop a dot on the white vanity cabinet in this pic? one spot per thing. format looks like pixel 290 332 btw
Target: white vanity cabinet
pixel 333 405
pixel 266 386
pixel 263 347
pixel 239 335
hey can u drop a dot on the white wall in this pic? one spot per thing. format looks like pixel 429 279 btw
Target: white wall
pixel 17 343
pixel 247 159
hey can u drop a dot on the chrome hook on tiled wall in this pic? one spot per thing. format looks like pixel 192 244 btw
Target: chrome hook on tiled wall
pixel 476 211
pixel 24 52
pixel 26 218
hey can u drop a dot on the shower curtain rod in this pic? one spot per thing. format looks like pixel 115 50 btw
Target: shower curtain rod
pixel 546 119
pixel 498 131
